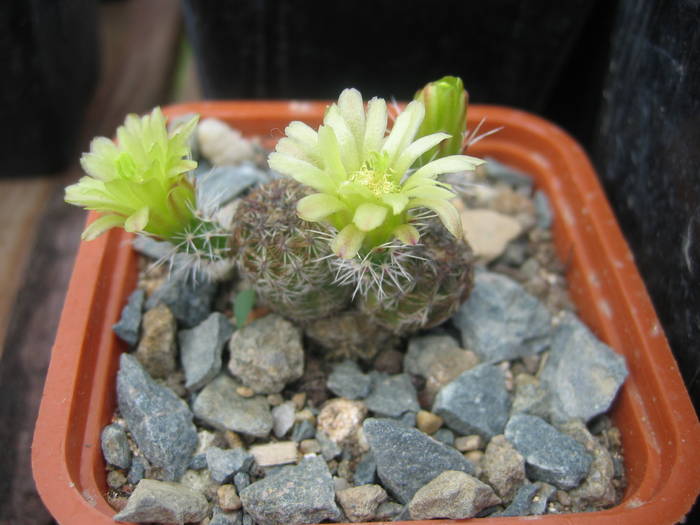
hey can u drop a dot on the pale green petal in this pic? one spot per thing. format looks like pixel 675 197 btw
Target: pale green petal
pixel 404 129
pixel 101 225
pixel 447 213
pixel 330 154
pixel 407 234
pixel 369 216
pixel 375 127
pixel 416 149
pixel 397 201
pixel 302 133
pixel 291 147
pixel 430 192
pixel 301 171
pixel 318 206
pixel 137 222
pixel 355 188
pixel 353 111
pixel 346 140
pixel 348 242
pixel 450 164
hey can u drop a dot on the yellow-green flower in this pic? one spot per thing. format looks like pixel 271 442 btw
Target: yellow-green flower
pixel 365 183
pixel 140 183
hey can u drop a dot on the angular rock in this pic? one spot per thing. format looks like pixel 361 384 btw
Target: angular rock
pixel 446 436
pixel 389 511
pixel 221 184
pixel 531 397
pixel 220 406
pixel 138 469
pixel 329 448
pixel 582 373
pixel 303 430
pixel 283 418
pixel 159 421
pixel 148 247
pixel 452 494
pixel 489 232
pixel 504 467
pixel 129 325
pixel 157 348
pixel 200 350
pixel 439 359
pixel 293 496
pixel 267 354
pixel 200 481
pixel 501 321
pixel 360 503
pixel 522 501
pixel 366 470
pixel 543 209
pixel 228 497
pixel 115 446
pixel 164 502
pixel 477 402
pixel 347 380
pixel 225 517
pixel 392 396
pixel 545 492
pixel 241 480
pixel 340 419
pixel 189 299
pixel 277 453
pixel 502 173
pixel 550 455
pixel 407 459
pixel 225 464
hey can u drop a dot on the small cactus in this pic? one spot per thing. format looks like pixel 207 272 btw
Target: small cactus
pixel 283 257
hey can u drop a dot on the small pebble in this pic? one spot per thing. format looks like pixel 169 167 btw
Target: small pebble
pixel 299 400
pixel 475 456
pixel 275 399
pixel 270 454
pixel 228 497
pixel 245 391
pixel 469 443
pixel 309 446
pixel 115 479
pixel 428 422
pixel 233 439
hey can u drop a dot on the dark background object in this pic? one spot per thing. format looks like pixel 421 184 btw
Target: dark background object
pixel 49 57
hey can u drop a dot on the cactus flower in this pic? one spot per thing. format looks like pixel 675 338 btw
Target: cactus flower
pixel 364 178
pixel 139 183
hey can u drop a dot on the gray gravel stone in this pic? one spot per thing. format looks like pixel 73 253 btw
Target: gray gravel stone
pixel 157 348
pixel 329 448
pixel 201 347
pixel 241 480
pixel 550 455
pixel 295 495
pixel 159 421
pixel 446 436
pixel 520 506
pixel 283 418
pixel 188 299
pixel 476 402
pixel 151 248
pixel 129 325
pixel 531 397
pixel 220 406
pixel 437 358
pixel 452 494
pixel 225 464
pixel 222 517
pixel 115 446
pixel 347 380
pixel 366 470
pixel 164 502
pixel 392 396
pixel 267 354
pixel 503 173
pixel 389 510
pixel 137 471
pixel 220 185
pixel 543 210
pixel 199 462
pixel 407 458
pixel 303 430
pixel 582 373
pixel 501 321
pixel 545 492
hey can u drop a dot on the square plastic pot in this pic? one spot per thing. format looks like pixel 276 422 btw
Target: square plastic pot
pixel 660 432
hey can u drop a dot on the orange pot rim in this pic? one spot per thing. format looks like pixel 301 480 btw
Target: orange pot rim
pixel 660 431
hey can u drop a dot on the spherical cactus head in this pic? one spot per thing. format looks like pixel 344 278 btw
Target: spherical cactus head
pixel 283 257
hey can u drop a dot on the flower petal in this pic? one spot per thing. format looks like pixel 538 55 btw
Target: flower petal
pixel 318 206
pixel 448 214
pixel 330 154
pixel 301 171
pixel 430 192
pixel 407 234
pixel 353 111
pixel 416 149
pixel 137 222
pixel 101 225
pixel 375 127
pixel 405 128
pixel 348 242
pixel 450 164
pixel 346 140
pixel 302 133
pixel 369 216
pixel 397 201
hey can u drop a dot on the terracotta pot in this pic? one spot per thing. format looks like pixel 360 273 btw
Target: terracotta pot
pixel 660 432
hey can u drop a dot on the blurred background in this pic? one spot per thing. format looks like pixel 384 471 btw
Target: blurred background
pixel 622 76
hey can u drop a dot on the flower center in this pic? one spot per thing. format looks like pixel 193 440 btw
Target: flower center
pixel 376 175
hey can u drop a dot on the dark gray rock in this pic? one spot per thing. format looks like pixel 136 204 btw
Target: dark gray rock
pixel 503 173
pixel 164 502
pixel 365 471
pixel 225 464
pixel 407 458
pixel 138 469
pixel 347 380
pixel 304 429
pixel 115 446
pixel 189 299
pixel 392 396
pixel 221 184
pixel 159 421
pixel 446 436
pixel 241 480
pixel 220 406
pixel 582 374
pixel 545 492
pixel 267 354
pixel 329 448
pixel 293 496
pixel 520 506
pixel 222 517
pixel 199 461
pixel 200 350
pixel 501 321
pixel 542 209
pixel 149 247
pixel 129 325
pixel 476 402
pixel 390 510
pixel 407 419
pixel 550 455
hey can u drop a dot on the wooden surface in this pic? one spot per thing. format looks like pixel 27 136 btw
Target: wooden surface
pixel 141 46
